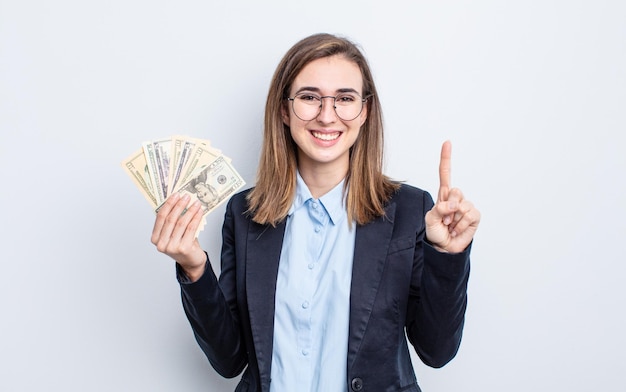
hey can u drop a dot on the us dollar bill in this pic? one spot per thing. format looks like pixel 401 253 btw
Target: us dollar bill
pixel 137 168
pixel 185 165
pixel 212 185
pixel 163 151
pixel 151 160
pixel 201 157
pixel 182 147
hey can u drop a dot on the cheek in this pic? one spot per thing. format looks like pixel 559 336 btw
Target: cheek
pixel 295 126
pixel 294 134
pixel 363 116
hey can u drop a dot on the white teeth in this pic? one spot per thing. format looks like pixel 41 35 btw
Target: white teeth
pixel 326 136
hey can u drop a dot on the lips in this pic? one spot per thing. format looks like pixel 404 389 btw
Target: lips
pixel 326 136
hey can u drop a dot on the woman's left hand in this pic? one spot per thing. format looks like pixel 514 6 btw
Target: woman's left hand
pixel 453 220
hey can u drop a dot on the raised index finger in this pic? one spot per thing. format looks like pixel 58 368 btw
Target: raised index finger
pixel 444 170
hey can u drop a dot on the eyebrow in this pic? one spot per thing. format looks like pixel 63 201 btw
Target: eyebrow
pixel 317 90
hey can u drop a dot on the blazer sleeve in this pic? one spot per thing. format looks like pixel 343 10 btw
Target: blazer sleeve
pixel 437 300
pixel 211 308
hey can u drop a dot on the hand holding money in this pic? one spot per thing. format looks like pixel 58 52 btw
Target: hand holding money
pixel 175 234
pixel 185 166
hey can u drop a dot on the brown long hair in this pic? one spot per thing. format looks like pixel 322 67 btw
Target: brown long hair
pixel 368 189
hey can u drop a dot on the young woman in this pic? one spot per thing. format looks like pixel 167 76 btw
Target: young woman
pixel 327 264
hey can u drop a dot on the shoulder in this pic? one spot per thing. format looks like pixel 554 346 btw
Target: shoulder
pixel 408 195
pixel 241 195
pixel 239 201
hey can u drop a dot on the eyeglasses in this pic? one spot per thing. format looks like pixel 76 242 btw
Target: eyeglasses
pixel 307 106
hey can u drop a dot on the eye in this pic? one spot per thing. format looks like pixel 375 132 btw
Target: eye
pixel 308 97
pixel 346 98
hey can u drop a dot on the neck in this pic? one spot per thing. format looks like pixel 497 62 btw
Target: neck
pixel 320 179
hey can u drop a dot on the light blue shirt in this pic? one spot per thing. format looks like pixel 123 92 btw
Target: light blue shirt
pixel 313 295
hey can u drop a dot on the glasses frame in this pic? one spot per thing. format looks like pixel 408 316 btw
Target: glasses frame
pixel 319 110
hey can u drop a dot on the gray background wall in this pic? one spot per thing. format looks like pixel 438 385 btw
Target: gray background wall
pixel 532 95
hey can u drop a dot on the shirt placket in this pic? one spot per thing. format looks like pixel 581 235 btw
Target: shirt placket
pixel 315 241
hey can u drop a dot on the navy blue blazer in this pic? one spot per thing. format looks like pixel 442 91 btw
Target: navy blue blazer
pixel 399 283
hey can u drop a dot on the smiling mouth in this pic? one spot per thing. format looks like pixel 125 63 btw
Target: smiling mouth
pixel 326 136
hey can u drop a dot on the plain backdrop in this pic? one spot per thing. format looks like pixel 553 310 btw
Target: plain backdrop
pixel 532 95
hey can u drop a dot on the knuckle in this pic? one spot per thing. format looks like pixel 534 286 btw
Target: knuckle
pixel 466 207
pixel 164 210
pixel 181 223
pixel 183 248
pixel 456 193
pixel 161 247
pixel 461 226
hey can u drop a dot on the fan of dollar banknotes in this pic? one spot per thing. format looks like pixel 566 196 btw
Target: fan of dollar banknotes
pixel 186 165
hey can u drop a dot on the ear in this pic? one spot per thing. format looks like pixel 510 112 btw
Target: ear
pixel 363 115
pixel 284 113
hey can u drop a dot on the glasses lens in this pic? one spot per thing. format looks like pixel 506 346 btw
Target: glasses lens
pixel 348 106
pixel 308 106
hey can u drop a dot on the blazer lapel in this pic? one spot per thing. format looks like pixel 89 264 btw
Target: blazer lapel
pixel 370 254
pixel 263 249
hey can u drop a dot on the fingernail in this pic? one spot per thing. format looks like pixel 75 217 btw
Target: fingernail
pixel 452 205
pixel 186 197
pixel 446 220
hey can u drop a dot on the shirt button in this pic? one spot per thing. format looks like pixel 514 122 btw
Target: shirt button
pixel 305 304
pixel 311 266
pixel 317 229
pixel 314 205
pixel 305 352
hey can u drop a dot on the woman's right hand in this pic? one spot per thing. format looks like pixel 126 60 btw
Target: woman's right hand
pixel 174 234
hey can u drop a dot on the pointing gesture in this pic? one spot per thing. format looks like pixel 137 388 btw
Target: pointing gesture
pixel 452 222
pixel 444 171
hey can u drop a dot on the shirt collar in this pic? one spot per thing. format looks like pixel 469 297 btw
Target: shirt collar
pixel 332 201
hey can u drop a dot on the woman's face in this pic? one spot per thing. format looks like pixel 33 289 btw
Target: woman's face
pixel 325 140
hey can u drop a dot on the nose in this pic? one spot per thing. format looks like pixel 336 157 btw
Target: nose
pixel 327 111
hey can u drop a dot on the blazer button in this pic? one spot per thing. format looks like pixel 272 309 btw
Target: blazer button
pixel 357 384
